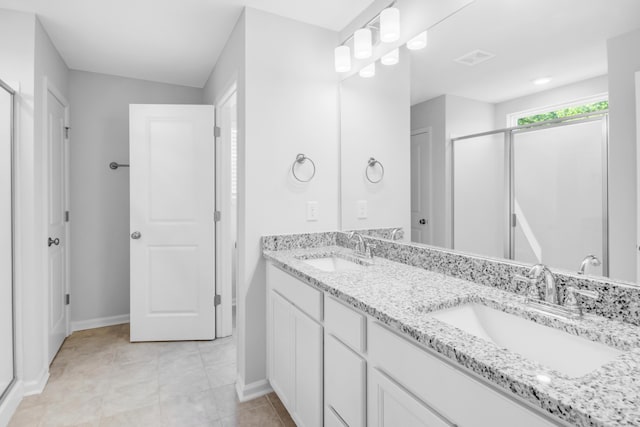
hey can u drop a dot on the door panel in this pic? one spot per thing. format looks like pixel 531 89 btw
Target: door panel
pixel 55 223
pixel 420 187
pixel 172 190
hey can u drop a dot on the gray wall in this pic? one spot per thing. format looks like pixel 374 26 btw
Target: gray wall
pixel 624 61
pixel 99 195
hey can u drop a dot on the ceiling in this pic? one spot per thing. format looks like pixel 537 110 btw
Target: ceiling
pixel 170 41
pixel 565 40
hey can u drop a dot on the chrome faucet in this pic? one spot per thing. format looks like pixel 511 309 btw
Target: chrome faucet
pixel 362 249
pixel 589 260
pixel 394 233
pixel 550 304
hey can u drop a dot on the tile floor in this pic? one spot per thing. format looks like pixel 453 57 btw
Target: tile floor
pixel 99 378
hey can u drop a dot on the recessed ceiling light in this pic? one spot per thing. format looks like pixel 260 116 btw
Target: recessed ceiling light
pixel 541 81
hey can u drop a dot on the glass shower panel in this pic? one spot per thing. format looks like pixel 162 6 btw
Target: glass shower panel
pixel 6 279
pixel 558 195
pixel 479 190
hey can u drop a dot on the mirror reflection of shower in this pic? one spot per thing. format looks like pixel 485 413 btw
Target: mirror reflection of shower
pixel 7 366
pixel 535 193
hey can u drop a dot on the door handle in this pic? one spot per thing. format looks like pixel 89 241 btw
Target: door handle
pixel 55 241
pixel 136 235
pixel 423 221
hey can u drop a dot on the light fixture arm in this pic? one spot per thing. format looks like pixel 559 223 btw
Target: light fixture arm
pixel 370 23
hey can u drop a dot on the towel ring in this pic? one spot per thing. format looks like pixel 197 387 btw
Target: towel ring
pixel 370 164
pixel 300 159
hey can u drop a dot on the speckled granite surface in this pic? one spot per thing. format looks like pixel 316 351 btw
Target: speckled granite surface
pixel 402 297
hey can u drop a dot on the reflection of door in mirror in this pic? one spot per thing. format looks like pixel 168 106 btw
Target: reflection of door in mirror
pixel 638 170
pixel 6 255
pixel 421 186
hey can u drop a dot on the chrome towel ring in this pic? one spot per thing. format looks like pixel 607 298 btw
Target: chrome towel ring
pixel 370 165
pixel 300 160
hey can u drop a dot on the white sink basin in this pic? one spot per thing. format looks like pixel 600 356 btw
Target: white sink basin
pixel 333 263
pixel 566 353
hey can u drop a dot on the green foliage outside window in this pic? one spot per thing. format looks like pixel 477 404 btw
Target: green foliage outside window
pixel 566 112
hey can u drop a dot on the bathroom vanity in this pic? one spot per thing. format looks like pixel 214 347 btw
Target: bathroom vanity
pixel 358 342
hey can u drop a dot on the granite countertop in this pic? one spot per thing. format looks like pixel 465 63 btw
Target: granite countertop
pixel 402 297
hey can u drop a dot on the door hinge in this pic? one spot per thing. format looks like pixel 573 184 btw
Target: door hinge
pixel 216 131
pixel 216 216
pixel 514 220
pixel 217 300
pixel 66 216
pixel 67 299
pixel 66 132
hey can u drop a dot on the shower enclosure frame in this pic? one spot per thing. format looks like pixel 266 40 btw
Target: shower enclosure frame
pixel 12 94
pixel 509 161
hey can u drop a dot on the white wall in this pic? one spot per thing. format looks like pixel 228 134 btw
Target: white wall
pixel 374 122
pixel 623 61
pixel 287 104
pixel 100 196
pixel 291 107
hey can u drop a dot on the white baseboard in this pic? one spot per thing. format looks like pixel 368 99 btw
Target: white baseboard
pixel 99 322
pixel 36 386
pixel 10 403
pixel 252 390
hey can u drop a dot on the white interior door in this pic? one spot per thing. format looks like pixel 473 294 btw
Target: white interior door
pixel 56 226
pixel 420 187
pixel 172 223
pixel 226 203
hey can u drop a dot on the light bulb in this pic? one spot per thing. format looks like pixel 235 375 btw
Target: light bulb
pixel 343 59
pixel 391 58
pixel 362 47
pixel 368 71
pixel 418 42
pixel 389 25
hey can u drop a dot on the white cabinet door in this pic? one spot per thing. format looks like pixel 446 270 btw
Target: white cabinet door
pixel 308 340
pixel 171 216
pixel 390 405
pixel 345 382
pixel 281 348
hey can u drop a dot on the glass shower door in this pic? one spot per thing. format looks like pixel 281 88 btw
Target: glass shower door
pixel 559 195
pixel 6 254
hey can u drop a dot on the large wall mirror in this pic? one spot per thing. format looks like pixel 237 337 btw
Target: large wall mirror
pixel 7 364
pixel 511 150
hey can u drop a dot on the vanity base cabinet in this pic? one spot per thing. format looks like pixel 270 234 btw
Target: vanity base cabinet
pixel 345 382
pixel 295 348
pixel 422 385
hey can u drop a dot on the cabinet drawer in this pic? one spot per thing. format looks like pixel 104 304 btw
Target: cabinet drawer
pixel 450 392
pixel 300 294
pixel 345 323
pixel 345 382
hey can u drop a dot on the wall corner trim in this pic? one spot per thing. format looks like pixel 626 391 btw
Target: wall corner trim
pixel 253 390
pixel 36 386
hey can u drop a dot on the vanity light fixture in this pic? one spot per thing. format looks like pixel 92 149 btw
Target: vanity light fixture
pixel 390 25
pixel 362 47
pixel 391 58
pixel 368 71
pixel 385 25
pixel 541 81
pixel 418 42
pixel 343 59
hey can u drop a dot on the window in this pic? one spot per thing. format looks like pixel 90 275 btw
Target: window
pixel 564 112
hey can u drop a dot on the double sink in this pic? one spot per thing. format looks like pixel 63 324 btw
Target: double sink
pixel 569 354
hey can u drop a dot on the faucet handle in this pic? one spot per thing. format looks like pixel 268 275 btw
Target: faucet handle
pixel 369 250
pixel 524 279
pixel 571 302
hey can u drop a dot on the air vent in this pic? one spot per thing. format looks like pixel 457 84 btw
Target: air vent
pixel 475 57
